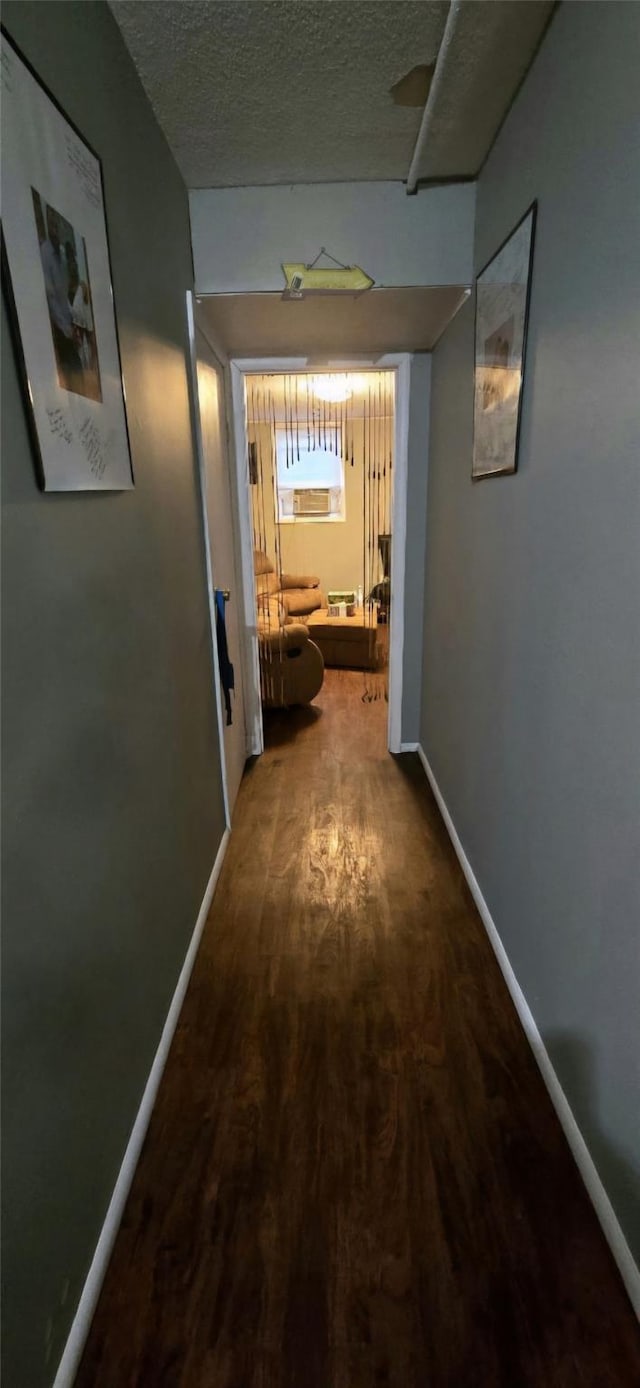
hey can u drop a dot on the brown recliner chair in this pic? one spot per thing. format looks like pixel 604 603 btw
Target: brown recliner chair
pixel 291 665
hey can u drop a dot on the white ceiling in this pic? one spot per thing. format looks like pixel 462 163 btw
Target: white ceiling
pixel 288 91
pixel 282 91
pixel 488 48
pixel 383 320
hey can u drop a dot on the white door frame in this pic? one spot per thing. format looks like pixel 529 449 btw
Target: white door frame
pixel 202 478
pixel 400 362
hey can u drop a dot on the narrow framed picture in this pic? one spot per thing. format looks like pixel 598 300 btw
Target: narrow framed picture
pixel 503 291
pixel 57 274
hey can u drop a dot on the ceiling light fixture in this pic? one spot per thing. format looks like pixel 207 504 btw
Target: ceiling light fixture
pixel 333 388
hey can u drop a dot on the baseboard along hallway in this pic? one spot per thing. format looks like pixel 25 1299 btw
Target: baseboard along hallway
pixel 353 1174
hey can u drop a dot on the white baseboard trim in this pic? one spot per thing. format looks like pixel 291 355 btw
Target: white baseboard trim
pixel 409 746
pixel 608 1219
pixel 70 1361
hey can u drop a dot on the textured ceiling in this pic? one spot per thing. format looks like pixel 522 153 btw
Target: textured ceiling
pixel 282 91
pixel 384 320
pixel 487 50
pixel 299 91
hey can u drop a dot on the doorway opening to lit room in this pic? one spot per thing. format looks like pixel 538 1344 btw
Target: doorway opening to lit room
pixel 321 464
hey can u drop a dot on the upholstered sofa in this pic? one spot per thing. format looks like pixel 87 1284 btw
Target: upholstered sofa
pixel 291 665
pixel 298 594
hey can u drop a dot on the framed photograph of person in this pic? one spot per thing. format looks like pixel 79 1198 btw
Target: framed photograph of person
pixel 503 291
pixel 57 276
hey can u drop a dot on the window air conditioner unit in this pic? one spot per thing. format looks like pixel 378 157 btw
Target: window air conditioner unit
pixel 312 501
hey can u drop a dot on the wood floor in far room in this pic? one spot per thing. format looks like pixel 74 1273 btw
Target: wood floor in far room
pixel 353 1176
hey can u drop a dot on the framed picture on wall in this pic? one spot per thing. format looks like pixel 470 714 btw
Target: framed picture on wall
pixel 503 291
pixel 57 275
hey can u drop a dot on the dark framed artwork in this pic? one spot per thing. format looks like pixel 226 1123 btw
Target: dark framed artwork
pixel 503 290
pixel 57 274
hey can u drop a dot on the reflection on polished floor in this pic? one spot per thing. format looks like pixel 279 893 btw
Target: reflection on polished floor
pixel 353 1175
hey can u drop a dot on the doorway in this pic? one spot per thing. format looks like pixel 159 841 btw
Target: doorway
pixel 321 472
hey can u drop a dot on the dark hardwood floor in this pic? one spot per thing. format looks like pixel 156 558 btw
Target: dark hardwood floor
pixel 353 1176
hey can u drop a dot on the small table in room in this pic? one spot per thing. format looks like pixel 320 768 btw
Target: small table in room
pixel 345 641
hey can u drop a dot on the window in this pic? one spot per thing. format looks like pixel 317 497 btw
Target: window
pixel 310 482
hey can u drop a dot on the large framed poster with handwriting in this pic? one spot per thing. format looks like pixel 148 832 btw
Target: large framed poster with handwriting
pixel 58 280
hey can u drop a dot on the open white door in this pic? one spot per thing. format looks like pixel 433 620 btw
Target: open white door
pixel 220 526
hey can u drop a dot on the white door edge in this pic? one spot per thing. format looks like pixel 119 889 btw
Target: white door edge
pixel 202 479
pixel 250 653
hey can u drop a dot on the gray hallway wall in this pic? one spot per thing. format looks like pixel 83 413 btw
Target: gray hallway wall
pixel 112 796
pixel 531 694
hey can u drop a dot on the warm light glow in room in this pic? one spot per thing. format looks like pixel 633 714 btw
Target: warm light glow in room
pixel 334 388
